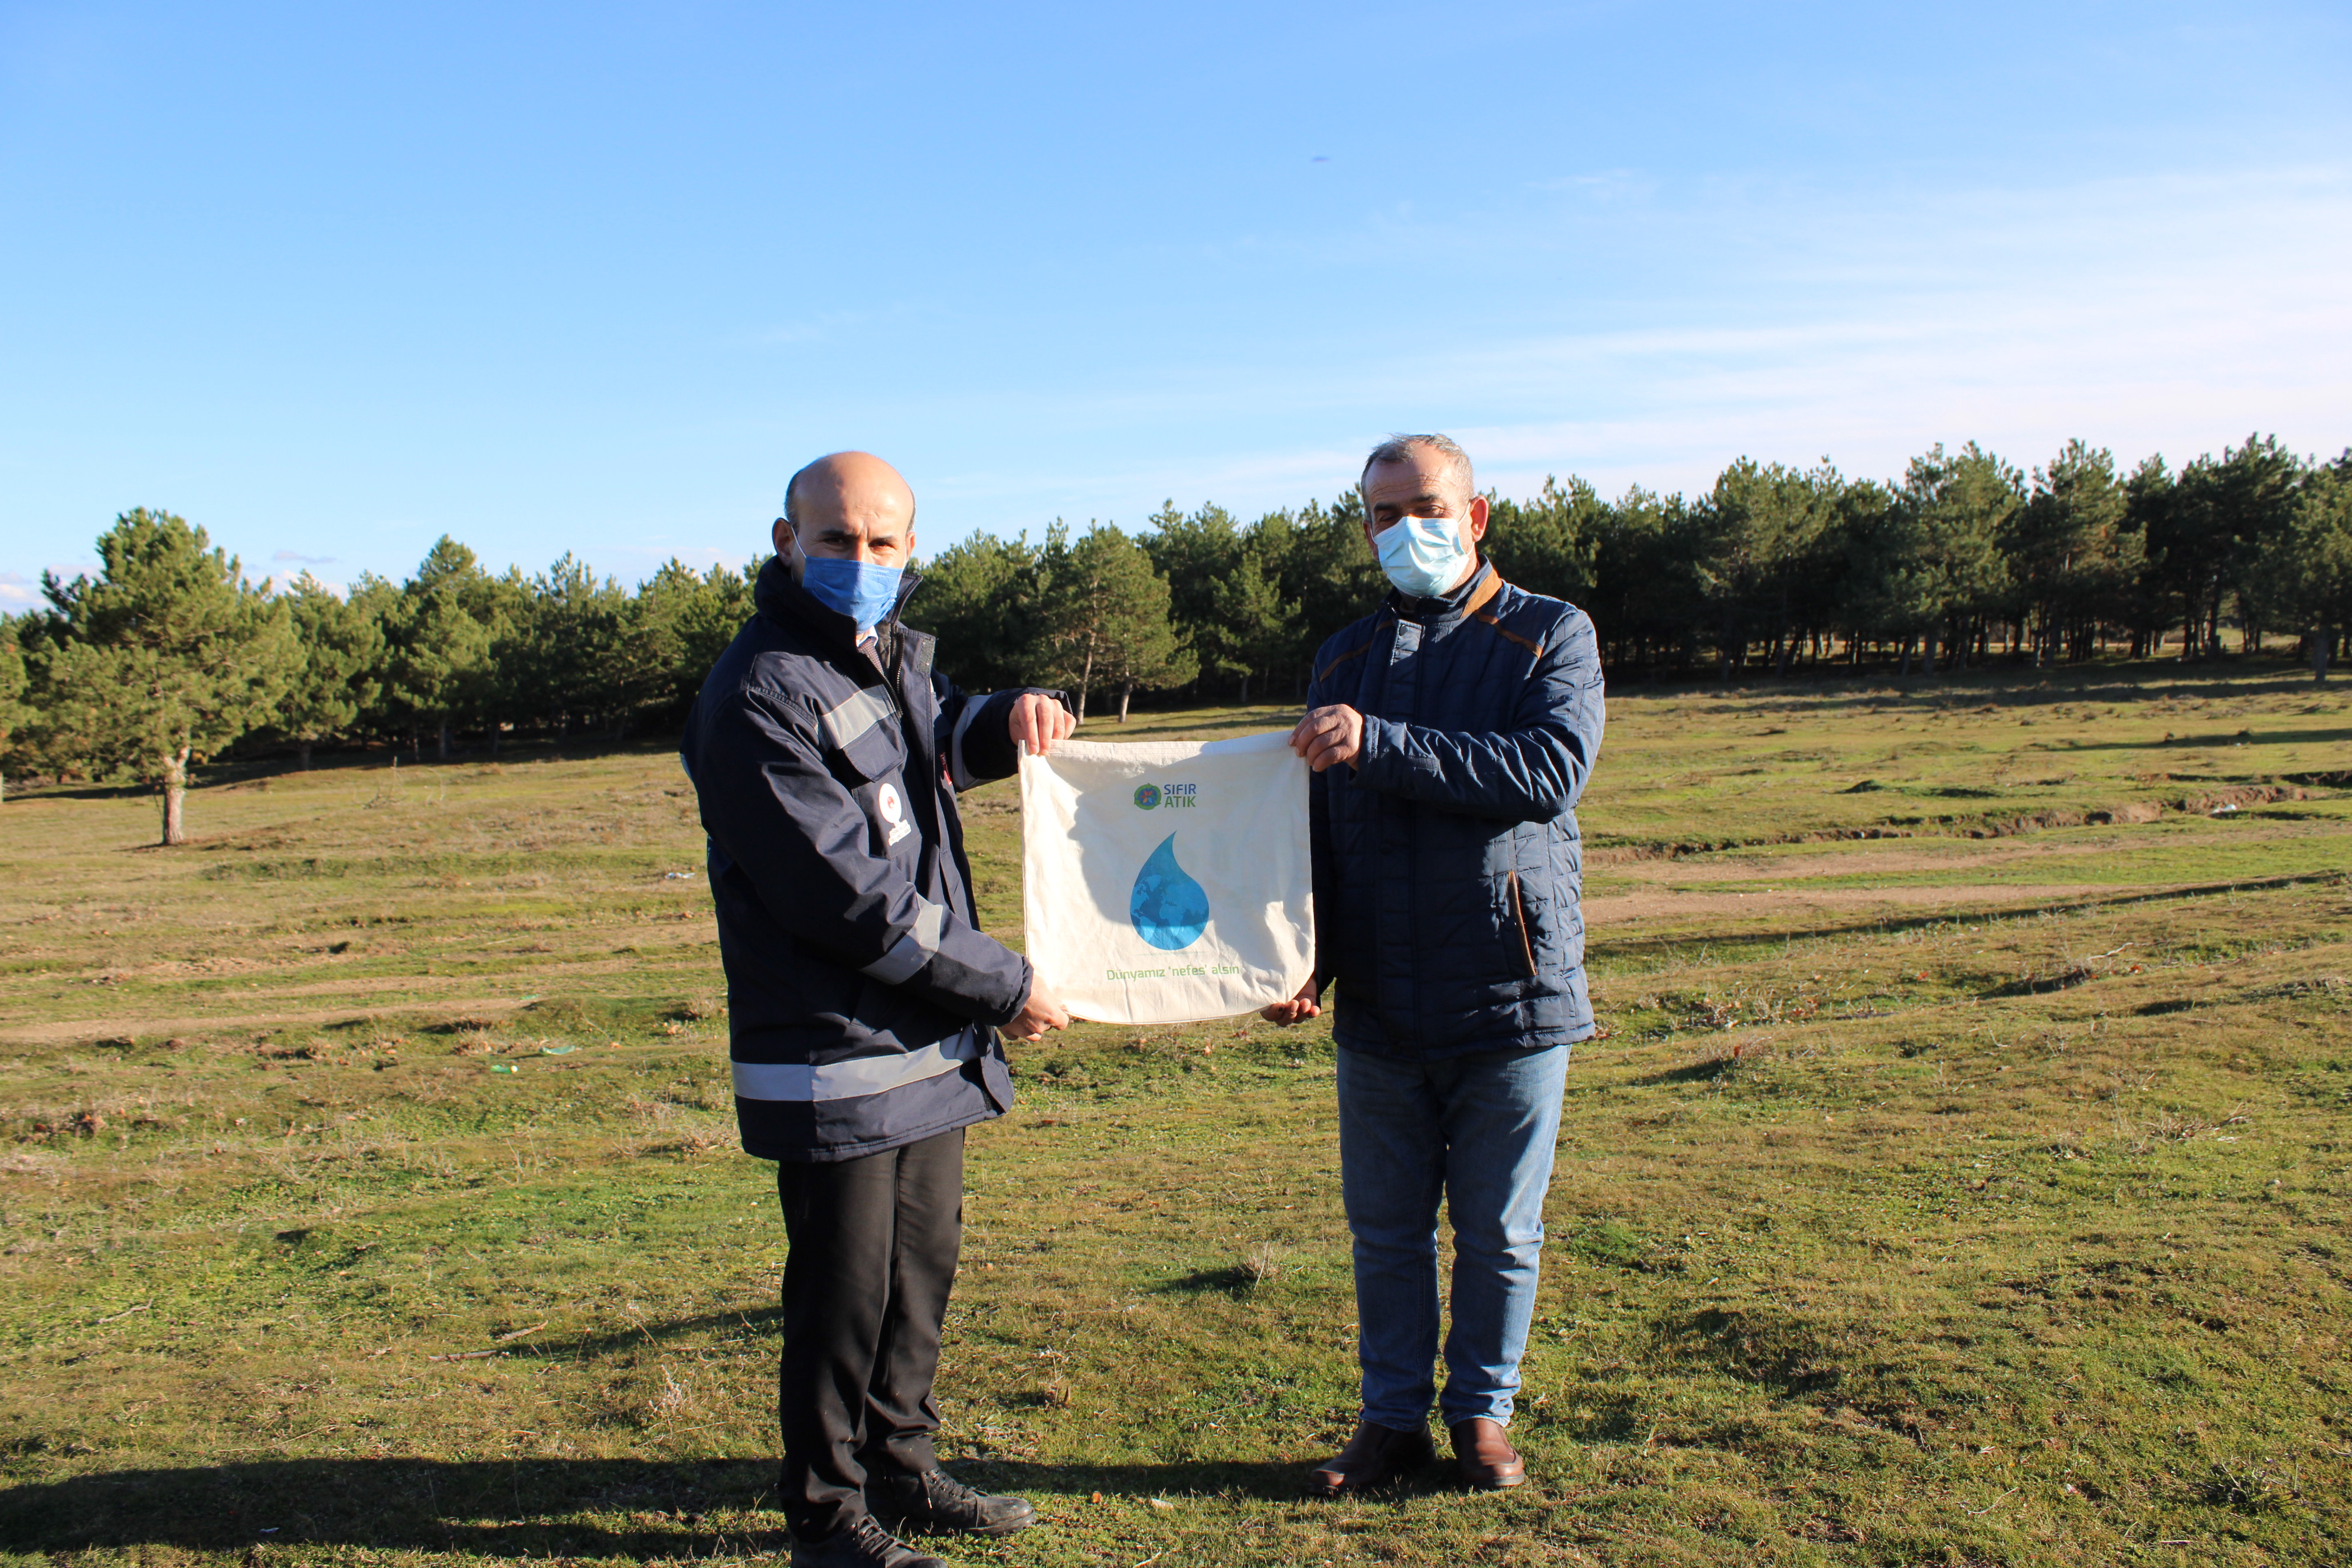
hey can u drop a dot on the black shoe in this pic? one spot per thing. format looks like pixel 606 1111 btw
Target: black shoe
pixel 935 1503
pixel 861 1543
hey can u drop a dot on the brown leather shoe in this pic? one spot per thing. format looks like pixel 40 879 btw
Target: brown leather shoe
pixel 1487 1460
pixel 1374 1456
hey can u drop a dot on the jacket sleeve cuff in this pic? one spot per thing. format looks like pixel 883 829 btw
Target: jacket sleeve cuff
pixel 1020 999
pixel 981 747
pixel 1377 755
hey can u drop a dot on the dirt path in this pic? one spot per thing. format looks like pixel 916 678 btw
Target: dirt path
pixel 63 1029
pixel 1651 903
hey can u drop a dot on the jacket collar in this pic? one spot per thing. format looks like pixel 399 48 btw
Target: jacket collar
pixel 780 599
pixel 1466 600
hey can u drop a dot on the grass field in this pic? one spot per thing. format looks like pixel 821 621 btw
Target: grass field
pixel 1962 1177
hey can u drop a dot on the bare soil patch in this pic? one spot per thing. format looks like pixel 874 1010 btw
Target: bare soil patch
pixel 1651 903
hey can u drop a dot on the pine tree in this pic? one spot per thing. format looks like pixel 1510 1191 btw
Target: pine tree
pixel 1106 617
pixel 978 598
pixel 340 674
pixel 165 658
pixel 2302 575
pixel 686 620
pixel 1547 545
pixel 439 629
pixel 1954 510
pixel 1251 628
pixel 13 710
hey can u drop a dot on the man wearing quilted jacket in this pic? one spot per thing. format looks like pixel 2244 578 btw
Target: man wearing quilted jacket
pixel 1451 732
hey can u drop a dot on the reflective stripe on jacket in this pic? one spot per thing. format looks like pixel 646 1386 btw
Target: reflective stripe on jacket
pixel 1447 862
pixel 863 998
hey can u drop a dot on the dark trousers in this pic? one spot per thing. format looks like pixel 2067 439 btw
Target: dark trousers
pixel 872 1255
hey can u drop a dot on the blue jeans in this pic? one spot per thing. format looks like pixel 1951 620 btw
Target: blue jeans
pixel 1477 1130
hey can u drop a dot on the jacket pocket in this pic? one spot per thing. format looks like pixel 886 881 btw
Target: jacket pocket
pixel 874 755
pixel 1527 953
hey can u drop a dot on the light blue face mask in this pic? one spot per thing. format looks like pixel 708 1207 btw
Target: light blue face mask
pixel 1422 555
pixel 858 589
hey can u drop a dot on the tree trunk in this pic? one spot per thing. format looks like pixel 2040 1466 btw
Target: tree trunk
pixel 2321 636
pixel 1927 658
pixel 495 728
pixel 442 743
pixel 1906 659
pixel 1086 678
pixel 175 794
pixel 306 754
pixel 1126 690
pixel 1245 687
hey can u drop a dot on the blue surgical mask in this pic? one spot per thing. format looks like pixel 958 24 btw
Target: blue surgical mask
pixel 1422 555
pixel 858 589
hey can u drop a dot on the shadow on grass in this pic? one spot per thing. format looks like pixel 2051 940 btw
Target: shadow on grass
pixel 2314 737
pixel 1705 1071
pixel 515 1507
pixel 502 1506
pixel 1234 1280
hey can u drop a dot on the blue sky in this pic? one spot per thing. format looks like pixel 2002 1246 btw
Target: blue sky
pixel 332 281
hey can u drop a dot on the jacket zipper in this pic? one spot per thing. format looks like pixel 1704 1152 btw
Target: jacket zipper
pixel 1519 913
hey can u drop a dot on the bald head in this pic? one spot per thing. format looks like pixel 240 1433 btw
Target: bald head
pixel 851 506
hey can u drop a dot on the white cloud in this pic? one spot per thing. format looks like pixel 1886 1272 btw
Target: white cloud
pixel 2173 315
pixel 2158 316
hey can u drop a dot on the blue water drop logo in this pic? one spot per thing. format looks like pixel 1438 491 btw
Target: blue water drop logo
pixel 1170 909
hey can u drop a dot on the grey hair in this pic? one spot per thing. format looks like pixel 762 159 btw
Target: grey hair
pixel 1398 449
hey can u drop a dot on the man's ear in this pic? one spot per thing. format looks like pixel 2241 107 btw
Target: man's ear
pixel 788 545
pixel 1478 509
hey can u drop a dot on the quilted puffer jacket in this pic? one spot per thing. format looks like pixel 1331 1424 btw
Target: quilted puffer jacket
pixel 1447 862
pixel 863 998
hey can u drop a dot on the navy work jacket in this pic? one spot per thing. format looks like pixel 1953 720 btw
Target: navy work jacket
pixel 863 998
pixel 1448 864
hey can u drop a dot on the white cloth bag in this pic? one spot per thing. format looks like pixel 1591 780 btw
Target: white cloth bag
pixel 1167 881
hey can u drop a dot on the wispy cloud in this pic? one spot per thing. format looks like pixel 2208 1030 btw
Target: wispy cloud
pixel 2172 315
pixel 295 558
pixel 17 589
pixel 826 326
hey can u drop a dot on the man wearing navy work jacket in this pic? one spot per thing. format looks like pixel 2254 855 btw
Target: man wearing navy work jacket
pixel 1449 733
pixel 864 999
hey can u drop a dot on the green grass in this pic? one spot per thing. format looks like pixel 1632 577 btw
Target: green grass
pixel 1931 1198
